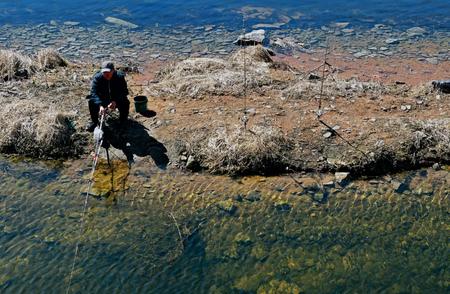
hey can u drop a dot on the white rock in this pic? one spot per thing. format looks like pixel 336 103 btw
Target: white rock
pixel 327 135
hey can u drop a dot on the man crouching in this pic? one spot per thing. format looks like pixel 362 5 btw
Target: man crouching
pixel 109 91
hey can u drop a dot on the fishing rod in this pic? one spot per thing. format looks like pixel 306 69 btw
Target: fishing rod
pixel 244 117
pixel 98 138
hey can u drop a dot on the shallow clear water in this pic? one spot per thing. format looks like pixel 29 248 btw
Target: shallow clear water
pixel 245 235
pixel 433 15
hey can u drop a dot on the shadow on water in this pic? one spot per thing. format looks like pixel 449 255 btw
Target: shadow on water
pixel 136 140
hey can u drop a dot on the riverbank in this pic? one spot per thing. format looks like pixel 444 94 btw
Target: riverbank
pixel 377 115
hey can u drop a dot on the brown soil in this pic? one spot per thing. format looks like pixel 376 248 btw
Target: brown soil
pixel 384 70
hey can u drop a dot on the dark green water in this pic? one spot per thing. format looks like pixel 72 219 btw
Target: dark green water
pixel 249 235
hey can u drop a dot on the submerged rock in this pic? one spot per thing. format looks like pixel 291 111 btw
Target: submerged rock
pixel 282 205
pixel 71 23
pixel 253 196
pixel 277 286
pixel 227 206
pixel 276 25
pixel 415 31
pixel 399 187
pixel 121 22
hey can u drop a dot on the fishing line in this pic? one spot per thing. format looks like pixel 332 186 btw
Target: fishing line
pixel 91 181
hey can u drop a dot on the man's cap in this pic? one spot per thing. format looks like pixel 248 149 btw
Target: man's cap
pixel 107 66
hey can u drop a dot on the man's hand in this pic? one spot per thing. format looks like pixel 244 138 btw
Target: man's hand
pixel 112 105
pixel 102 110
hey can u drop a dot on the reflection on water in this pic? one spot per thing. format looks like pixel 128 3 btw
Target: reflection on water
pixel 177 233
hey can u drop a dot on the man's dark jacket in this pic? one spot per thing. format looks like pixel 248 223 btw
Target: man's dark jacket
pixel 104 91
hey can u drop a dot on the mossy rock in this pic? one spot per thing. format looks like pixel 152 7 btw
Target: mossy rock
pixel 279 287
pixel 250 283
pixel 242 239
pixel 282 205
pixel 259 251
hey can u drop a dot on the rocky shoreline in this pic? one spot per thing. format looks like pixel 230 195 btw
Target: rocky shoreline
pixel 137 46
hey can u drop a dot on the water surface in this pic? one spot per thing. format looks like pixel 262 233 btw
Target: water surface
pixel 175 233
pixel 432 15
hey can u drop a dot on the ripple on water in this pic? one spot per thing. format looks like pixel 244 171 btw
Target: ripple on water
pixel 174 232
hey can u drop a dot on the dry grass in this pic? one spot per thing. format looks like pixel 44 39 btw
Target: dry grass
pixel 49 59
pixel 203 77
pixel 32 129
pixel 332 88
pixel 260 150
pixel 200 77
pixel 432 138
pixel 14 65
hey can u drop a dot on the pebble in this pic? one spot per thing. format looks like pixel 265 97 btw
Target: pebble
pixel 432 60
pixel 405 107
pixel 327 135
pixel 251 111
